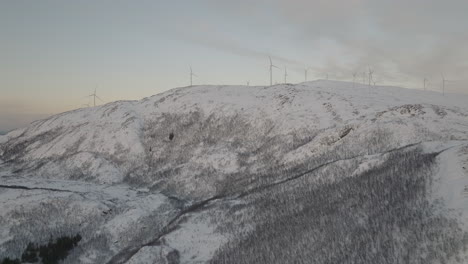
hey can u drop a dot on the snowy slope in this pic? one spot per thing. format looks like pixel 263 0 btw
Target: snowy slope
pixel 244 163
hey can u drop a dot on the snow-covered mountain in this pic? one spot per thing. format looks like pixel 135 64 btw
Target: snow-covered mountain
pixel 318 172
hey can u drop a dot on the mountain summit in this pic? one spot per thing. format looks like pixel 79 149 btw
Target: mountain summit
pixel 317 172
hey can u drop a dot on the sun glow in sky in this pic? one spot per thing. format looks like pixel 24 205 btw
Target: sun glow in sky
pixel 54 53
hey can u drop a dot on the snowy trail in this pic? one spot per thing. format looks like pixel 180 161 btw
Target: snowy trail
pixel 451 183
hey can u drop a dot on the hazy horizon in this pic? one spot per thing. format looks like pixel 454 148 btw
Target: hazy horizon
pixel 54 53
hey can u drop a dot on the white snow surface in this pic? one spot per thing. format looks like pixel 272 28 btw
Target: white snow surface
pixel 318 105
pixel 102 158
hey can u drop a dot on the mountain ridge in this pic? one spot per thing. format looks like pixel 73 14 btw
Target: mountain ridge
pixel 242 159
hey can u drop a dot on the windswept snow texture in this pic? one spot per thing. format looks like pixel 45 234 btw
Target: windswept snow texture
pixel 318 172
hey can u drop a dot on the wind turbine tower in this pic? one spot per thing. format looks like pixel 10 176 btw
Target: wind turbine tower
pixel 271 71
pixel 191 76
pixel 95 96
pixel 371 72
pixel 354 79
pixel 285 75
pixel 443 84
pixel 425 81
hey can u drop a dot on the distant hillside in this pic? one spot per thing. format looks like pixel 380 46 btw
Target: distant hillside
pixel 328 171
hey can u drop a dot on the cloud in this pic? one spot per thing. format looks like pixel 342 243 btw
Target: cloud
pixel 413 38
pixel 206 35
pixel 404 41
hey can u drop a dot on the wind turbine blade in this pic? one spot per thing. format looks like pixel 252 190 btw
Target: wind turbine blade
pixel 99 98
pixel 275 66
pixel 271 63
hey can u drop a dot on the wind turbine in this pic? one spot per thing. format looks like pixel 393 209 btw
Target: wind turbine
pixel 271 71
pixel 191 75
pixel 443 84
pixel 371 71
pixel 305 73
pixel 354 78
pixel 285 75
pixel 425 81
pixel 95 96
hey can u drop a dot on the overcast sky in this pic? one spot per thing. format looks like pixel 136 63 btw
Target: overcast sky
pixel 53 53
